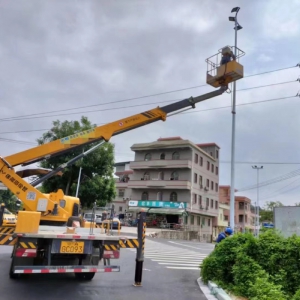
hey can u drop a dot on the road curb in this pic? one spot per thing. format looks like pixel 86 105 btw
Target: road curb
pixel 212 291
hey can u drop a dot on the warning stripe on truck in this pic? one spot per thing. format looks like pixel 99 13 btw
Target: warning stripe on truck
pixel 130 243
pixel 6 236
pixel 123 243
pixel 27 245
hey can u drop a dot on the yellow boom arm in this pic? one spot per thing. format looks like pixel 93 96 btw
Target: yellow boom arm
pixel 33 199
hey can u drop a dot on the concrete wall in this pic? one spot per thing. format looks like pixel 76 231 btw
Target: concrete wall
pixel 185 235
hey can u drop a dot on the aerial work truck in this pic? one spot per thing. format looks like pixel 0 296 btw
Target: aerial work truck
pixel 49 235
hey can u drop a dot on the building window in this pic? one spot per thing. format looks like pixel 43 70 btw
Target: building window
pixel 241 205
pixel 145 196
pixel 241 218
pixel 203 221
pixel 196 158
pixel 146 176
pixel 207 203
pixel 198 221
pixel 207 183
pixel 195 177
pixel 225 218
pixel 159 196
pixel 217 154
pixel 200 200
pixel 208 165
pixel 175 155
pixel 174 175
pixel 208 222
pixel 211 203
pixel 216 204
pixel 217 187
pixel 173 197
pixel 163 156
pixel 211 154
pixel 192 220
pixel 201 161
pixel 200 181
pixel 211 185
pixel 213 168
pixel 121 192
pixel 195 198
pixel 120 208
pixel 147 156
pixel 217 170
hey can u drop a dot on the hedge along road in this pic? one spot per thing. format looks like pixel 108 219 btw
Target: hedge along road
pixel 266 268
pixel 158 281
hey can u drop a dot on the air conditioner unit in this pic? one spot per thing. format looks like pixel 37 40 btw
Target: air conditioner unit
pixel 206 188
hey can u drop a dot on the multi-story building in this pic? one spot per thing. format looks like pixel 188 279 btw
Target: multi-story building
pixel 123 173
pixel 223 218
pixel 176 170
pixel 244 213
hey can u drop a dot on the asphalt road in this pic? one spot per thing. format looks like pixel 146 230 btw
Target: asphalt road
pixel 170 272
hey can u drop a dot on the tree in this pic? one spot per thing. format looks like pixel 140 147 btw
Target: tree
pixel 97 182
pixel 266 214
pixel 9 199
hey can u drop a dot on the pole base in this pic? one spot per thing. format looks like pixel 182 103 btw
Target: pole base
pixel 137 284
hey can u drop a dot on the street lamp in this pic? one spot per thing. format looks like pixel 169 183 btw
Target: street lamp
pixel 257 201
pixel 232 202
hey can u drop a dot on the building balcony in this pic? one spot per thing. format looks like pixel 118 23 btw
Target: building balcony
pixel 202 210
pixel 164 184
pixel 222 223
pixel 121 184
pixel 161 164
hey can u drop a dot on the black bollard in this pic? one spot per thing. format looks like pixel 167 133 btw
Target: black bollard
pixel 141 233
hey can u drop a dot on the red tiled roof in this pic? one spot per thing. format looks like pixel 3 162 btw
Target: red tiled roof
pixel 207 145
pixel 174 138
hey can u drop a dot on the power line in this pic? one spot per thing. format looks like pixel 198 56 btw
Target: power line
pixel 159 102
pixel 140 97
pixel 194 111
pixel 242 104
pixel 17 141
pixel 271 181
pixel 275 193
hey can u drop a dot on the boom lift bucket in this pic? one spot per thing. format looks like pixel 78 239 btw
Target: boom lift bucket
pixel 221 75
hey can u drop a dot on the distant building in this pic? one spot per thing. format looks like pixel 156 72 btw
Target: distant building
pixel 172 170
pixel 244 211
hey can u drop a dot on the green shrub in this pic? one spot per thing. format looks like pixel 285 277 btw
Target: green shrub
pixel 264 289
pixel 297 295
pixel 245 272
pixel 218 265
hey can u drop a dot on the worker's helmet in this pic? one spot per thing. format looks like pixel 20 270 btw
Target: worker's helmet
pixel 229 231
pixel 226 50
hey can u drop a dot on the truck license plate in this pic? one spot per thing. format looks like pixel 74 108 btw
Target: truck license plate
pixel 72 247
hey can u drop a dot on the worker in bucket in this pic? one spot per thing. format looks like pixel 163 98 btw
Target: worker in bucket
pixel 223 235
pixel 227 55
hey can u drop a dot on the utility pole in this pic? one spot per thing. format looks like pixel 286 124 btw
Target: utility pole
pixel 257 201
pixel 232 188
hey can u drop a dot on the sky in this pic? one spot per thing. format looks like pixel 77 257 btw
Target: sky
pixel 60 57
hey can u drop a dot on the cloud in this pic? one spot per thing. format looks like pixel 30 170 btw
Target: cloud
pixel 58 55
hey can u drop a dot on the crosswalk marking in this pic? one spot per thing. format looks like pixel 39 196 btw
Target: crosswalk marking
pixel 172 257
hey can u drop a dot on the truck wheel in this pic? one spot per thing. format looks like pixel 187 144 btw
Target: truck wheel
pixel 85 276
